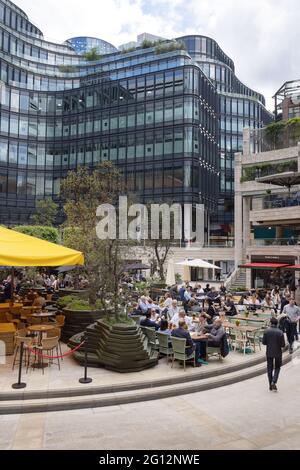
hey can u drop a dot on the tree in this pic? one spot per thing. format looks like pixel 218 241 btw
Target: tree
pixel 92 55
pixel 159 252
pixel 46 212
pixel 83 191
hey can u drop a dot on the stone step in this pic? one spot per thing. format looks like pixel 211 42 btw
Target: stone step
pixel 92 399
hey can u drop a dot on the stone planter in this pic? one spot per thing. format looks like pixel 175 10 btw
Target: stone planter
pixel 81 294
pixel 121 347
pixel 76 321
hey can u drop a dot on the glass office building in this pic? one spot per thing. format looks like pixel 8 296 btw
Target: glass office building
pixel 83 44
pixel 152 112
pixel 239 107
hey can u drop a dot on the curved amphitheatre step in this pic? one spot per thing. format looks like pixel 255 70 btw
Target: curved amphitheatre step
pixel 94 397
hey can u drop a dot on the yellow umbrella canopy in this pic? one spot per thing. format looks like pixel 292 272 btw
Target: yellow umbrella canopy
pixel 17 249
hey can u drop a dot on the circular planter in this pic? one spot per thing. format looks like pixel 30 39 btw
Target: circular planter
pixel 76 321
pixel 121 347
pixel 82 294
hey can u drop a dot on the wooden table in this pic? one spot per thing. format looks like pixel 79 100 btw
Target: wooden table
pixel 195 336
pixel 7 334
pixel 43 315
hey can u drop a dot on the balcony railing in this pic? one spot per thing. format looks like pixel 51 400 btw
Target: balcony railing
pixel 278 201
pixel 292 241
pixel 276 136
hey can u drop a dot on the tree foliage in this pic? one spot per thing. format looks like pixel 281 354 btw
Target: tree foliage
pixel 46 212
pixel 49 234
pixel 83 191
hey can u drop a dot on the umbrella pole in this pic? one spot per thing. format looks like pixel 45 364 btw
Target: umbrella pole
pixel 12 284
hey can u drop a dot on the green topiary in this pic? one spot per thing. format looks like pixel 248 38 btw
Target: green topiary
pixel 49 234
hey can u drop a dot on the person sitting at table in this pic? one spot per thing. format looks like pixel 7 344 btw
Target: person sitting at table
pixel 210 310
pixel 207 289
pixel 199 290
pixel 214 296
pixel 173 310
pixel 268 302
pixel 254 301
pixel 223 289
pixel 39 301
pixel 164 327
pixel 182 316
pixel 214 334
pixel 229 306
pixel 154 315
pixel 148 322
pixel 181 332
pixel 143 304
pixel 167 302
pixel 153 305
pixel 200 327
pixel 193 306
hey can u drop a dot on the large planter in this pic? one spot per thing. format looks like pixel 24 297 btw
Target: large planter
pixel 121 347
pixel 76 321
pixel 80 293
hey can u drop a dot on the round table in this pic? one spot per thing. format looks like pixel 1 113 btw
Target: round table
pixel 40 329
pixel 43 315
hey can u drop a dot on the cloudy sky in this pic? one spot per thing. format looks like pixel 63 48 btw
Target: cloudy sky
pixel 261 36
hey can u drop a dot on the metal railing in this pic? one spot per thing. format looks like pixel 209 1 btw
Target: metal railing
pixel 264 140
pixel 292 241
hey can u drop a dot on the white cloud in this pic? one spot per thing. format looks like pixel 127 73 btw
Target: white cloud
pixel 261 36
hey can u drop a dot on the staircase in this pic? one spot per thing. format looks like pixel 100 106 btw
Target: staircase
pixel 238 280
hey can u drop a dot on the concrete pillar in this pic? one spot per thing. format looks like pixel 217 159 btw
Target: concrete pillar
pixel 279 232
pixel 238 212
pixel 246 142
pixel 246 223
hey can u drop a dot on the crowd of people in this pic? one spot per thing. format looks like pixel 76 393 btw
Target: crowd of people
pixel 195 309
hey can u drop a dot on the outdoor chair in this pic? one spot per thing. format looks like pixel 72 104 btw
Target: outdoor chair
pixel 55 332
pixel 151 335
pixel 164 345
pixel 241 341
pixel 49 346
pixel 20 337
pixel 179 351
pixel 214 351
pixel 255 339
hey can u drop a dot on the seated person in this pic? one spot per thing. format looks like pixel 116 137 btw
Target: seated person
pixel 181 332
pixel 39 301
pixel 148 322
pixel 154 315
pixel 223 289
pixel 200 327
pixel 143 305
pixel 164 327
pixel 135 309
pixel 173 310
pixel 152 305
pixel 211 311
pixel 229 306
pixel 182 316
pixel 214 334
pixel 193 306
pixel 207 289
pixel 167 300
pixel 268 302
pixel 214 296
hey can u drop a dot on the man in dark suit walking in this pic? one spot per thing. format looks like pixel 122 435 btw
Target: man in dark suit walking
pixel 274 340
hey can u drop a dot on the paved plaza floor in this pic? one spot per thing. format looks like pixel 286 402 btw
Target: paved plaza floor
pixel 71 371
pixel 245 415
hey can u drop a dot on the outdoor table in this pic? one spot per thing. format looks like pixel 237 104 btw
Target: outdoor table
pixel 43 315
pixel 7 334
pixel 243 328
pixel 196 337
pixel 40 329
pixel 253 319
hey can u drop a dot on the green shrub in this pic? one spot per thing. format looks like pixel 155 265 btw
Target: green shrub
pixel 46 233
pixel 122 319
pixel 67 299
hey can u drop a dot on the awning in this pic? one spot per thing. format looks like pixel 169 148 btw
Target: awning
pixel 17 249
pixel 294 266
pixel 198 263
pixel 263 265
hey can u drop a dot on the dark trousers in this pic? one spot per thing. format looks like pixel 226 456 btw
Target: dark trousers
pixel 273 366
pixel 292 333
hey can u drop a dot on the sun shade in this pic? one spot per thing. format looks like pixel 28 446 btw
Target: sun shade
pixel 263 265
pixel 17 249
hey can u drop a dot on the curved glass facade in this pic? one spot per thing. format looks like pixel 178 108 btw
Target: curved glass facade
pixel 83 44
pixel 155 115
pixel 239 107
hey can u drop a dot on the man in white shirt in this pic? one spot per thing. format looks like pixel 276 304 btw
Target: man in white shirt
pixel 173 310
pixel 182 316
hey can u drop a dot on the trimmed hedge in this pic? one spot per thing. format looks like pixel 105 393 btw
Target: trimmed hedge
pixel 49 234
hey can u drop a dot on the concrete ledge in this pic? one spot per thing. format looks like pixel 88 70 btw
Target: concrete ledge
pixel 94 397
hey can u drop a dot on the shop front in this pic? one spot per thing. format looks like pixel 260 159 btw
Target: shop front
pixel 270 270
